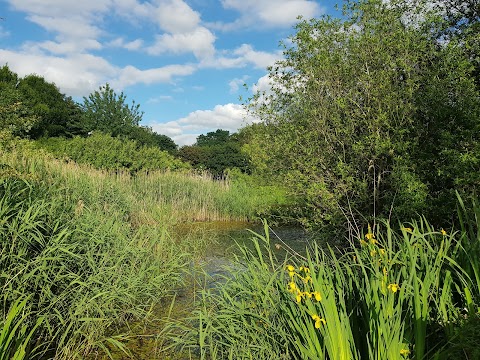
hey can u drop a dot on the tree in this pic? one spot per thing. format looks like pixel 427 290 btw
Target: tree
pixel 216 151
pixel 145 136
pixel 217 137
pixel 348 116
pixel 108 112
pixel 15 116
pixel 58 114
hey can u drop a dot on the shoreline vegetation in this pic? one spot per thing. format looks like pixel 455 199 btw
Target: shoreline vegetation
pixel 369 134
pixel 87 251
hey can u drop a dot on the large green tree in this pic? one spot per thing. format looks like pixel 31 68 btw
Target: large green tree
pixel 357 106
pixel 107 111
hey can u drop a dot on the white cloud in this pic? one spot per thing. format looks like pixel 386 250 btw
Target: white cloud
pixel 240 57
pixel 184 131
pixel 160 98
pixel 131 45
pixel 76 75
pixel 235 84
pixel 269 13
pixel 175 16
pixel 199 42
pixel 130 75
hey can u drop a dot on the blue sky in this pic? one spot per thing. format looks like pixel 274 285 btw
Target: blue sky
pixel 184 61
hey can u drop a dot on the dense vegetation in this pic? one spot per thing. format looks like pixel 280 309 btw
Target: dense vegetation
pixel 375 115
pixel 86 251
pixel 373 119
pixel 217 151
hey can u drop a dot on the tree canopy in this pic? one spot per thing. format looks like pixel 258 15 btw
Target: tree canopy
pixel 106 111
pixel 375 113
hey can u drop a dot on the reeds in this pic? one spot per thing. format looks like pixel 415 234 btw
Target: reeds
pixel 394 294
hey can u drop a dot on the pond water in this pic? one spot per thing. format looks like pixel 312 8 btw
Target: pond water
pixel 223 243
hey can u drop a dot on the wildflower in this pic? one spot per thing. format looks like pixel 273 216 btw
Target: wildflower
pixel 318 321
pixel 373 241
pixel 407 229
pixel 307 294
pixel 443 232
pixel 317 295
pixel 373 253
pixel 393 287
pixel 305 269
pixel 370 236
pixel 382 251
pixel 307 279
pixel 290 268
pixel 298 297
pixel 404 352
pixel 291 287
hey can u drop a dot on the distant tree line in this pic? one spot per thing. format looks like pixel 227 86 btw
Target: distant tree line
pixel 34 108
pixel 31 107
pixel 216 152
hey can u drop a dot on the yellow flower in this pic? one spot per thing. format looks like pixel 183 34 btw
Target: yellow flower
pixel 404 352
pixel 307 294
pixel 291 287
pixel 290 268
pixel 443 232
pixel 382 251
pixel 373 253
pixel 299 296
pixel 318 321
pixel 307 279
pixel 393 287
pixel 317 295
pixel 369 236
pixel 305 269
pixel 407 229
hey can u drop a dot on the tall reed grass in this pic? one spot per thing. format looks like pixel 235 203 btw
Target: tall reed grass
pixel 91 250
pixel 393 294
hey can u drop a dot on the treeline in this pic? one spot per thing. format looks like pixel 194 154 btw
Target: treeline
pixel 105 130
pixel 375 115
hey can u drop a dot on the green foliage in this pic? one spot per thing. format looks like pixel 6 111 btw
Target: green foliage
pixel 69 243
pixel 390 295
pixel 108 112
pixel 58 114
pixel 105 152
pixel 370 114
pixel 15 116
pixel 216 152
pixel 145 136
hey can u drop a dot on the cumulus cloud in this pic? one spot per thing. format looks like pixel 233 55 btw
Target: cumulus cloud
pixel 131 75
pixel 199 42
pixel 242 56
pixel 268 13
pixel 130 45
pixel 184 131
pixel 235 84
pixel 76 75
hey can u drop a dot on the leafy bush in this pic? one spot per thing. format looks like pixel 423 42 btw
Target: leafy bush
pixel 105 152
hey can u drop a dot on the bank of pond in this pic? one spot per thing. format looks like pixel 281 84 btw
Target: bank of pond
pixel 98 265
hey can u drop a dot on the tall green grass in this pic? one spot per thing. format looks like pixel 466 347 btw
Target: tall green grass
pixel 393 294
pixel 92 250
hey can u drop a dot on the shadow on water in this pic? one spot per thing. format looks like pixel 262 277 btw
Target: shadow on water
pixel 221 241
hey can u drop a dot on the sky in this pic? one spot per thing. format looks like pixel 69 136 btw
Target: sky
pixel 184 61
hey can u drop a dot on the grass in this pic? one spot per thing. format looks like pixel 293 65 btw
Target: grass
pixel 92 250
pixel 405 293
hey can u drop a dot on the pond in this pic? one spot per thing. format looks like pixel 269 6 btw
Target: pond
pixel 220 249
